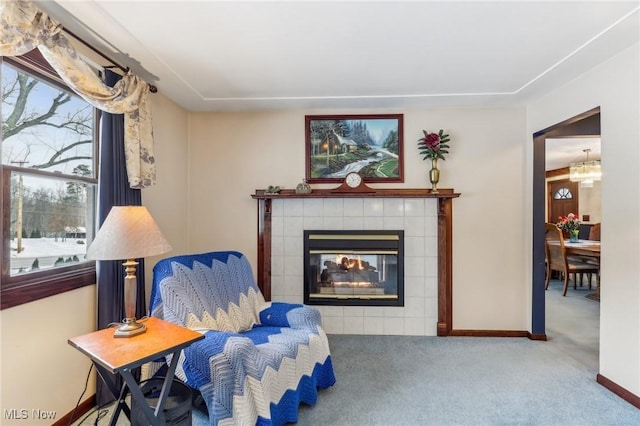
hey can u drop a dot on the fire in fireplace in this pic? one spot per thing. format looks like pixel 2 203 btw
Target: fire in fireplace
pixel 357 268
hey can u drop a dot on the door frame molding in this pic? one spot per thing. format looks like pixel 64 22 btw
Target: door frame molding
pixel 582 125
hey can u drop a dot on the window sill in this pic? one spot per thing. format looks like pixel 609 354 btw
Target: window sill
pixel 16 292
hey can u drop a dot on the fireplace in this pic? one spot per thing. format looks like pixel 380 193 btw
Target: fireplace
pixel 354 268
pixel 427 222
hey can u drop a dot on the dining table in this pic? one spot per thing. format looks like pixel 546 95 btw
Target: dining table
pixel 586 248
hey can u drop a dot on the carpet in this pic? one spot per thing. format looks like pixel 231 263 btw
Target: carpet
pixel 391 380
pixel 387 380
pixel 397 380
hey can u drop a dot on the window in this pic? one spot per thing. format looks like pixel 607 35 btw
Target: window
pixel 49 183
pixel 563 194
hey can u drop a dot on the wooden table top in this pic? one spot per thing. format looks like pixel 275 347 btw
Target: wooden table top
pixel 117 353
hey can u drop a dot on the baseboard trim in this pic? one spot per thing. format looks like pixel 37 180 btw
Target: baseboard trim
pixel 537 336
pixel 623 393
pixel 83 408
pixel 489 333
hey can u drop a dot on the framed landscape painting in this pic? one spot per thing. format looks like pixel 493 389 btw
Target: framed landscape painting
pixel 368 144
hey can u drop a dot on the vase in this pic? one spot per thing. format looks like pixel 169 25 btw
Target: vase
pixel 434 175
pixel 573 236
pixel 303 188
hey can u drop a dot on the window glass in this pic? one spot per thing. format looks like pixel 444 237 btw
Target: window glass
pixel 563 194
pixel 49 175
pixel 49 219
pixel 44 127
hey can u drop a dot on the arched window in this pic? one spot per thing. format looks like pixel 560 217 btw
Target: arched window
pixel 563 194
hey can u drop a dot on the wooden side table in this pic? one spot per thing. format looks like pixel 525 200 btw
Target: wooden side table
pixel 117 355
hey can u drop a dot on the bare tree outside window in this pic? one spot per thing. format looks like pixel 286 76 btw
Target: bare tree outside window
pixel 48 158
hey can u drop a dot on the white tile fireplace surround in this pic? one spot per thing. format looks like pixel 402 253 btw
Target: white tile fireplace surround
pixel 418 217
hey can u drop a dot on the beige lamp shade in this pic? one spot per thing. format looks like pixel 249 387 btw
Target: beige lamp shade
pixel 128 232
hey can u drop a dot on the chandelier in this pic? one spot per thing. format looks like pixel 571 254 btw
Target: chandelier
pixel 585 172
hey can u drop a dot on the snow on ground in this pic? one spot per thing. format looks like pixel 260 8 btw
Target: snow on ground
pixel 46 250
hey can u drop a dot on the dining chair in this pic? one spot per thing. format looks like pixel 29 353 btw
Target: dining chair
pixel 584 230
pixel 594 235
pixel 591 232
pixel 557 260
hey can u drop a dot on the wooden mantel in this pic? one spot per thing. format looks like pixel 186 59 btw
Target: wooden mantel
pixel 445 230
pixel 372 192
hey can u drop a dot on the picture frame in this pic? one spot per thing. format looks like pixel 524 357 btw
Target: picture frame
pixel 370 144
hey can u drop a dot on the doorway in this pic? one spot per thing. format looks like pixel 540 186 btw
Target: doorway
pixel 586 124
pixel 572 319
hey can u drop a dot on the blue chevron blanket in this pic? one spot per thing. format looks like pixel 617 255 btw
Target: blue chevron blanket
pixel 258 360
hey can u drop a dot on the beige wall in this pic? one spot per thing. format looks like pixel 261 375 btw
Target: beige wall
pixel 233 154
pixel 39 369
pixel 614 86
pixel 168 200
pixel 590 202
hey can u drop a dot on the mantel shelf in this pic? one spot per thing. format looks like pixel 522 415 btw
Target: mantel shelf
pixel 261 194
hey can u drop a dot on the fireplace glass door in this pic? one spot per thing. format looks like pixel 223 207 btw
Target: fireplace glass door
pixel 363 268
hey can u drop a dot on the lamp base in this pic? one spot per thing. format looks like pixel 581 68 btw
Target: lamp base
pixel 129 328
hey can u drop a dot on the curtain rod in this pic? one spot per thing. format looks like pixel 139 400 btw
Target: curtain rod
pixel 152 88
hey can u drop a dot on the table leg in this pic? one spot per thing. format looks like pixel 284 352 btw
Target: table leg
pixel 121 404
pixel 168 380
pixel 136 394
pixel 156 418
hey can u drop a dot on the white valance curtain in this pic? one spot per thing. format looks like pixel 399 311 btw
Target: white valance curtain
pixel 23 27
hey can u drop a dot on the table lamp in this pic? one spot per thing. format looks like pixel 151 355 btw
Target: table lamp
pixel 128 233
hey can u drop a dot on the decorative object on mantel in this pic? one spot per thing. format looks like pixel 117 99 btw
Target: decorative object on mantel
pixel 433 146
pixel 303 187
pixel 353 182
pixel 571 225
pixel 272 190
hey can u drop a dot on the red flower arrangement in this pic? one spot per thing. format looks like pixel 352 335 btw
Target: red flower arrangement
pixel 434 145
pixel 569 223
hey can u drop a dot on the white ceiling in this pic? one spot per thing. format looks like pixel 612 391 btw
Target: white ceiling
pixel 238 55
pixel 561 152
